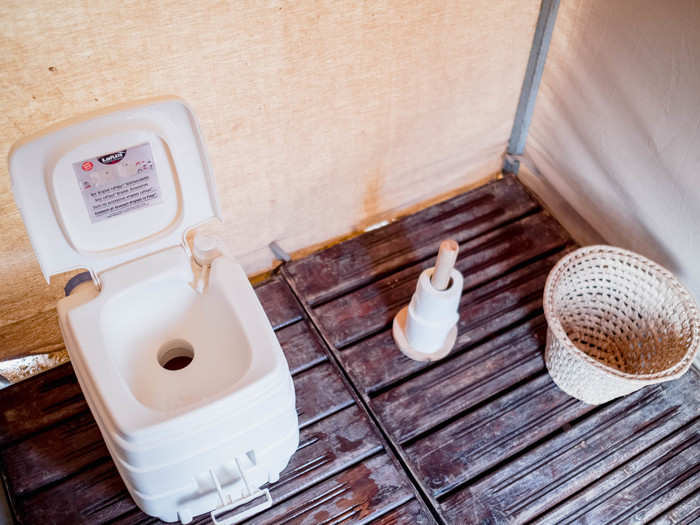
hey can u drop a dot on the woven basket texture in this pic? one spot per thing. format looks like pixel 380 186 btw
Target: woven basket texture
pixel 616 322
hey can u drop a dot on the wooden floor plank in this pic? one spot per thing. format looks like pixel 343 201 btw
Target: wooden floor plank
pixel 411 513
pixel 564 465
pixel 279 302
pixel 442 392
pixel 372 308
pixel 375 363
pixel 327 447
pixel 320 393
pixel 645 487
pixel 302 347
pixel 356 495
pixel 135 517
pixel 342 267
pixel 685 512
pixel 53 454
pixel 476 442
pixel 95 495
pixel 38 402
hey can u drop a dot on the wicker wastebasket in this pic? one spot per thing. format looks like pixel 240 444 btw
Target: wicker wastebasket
pixel 616 322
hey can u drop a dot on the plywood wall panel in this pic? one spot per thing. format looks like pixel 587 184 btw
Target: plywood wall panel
pixel 320 117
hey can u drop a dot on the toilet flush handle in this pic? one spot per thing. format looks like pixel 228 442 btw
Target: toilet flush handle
pixel 205 249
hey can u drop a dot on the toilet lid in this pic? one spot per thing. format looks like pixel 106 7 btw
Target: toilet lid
pixel 100 191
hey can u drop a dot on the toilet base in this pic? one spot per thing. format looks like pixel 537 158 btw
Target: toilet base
pixel 201 496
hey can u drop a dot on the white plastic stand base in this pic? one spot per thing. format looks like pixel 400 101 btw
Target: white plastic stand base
pixel 399 331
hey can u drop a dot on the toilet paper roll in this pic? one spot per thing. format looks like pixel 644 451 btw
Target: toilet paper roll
pixel 432 313
pixel 437 305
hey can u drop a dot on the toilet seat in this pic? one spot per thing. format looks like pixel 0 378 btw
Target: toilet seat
pixel 169 269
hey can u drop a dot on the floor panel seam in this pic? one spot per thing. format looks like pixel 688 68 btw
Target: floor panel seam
pixel 391 448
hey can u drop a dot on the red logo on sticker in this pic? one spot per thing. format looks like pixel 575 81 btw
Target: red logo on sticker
pixel 87 165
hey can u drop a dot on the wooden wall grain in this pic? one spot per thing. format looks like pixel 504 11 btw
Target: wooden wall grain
pixel 320 117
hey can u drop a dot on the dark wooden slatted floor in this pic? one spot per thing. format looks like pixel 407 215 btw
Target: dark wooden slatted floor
pixel 57 468
pixel 484 435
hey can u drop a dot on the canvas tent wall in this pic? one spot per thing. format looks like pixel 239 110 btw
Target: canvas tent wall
pixel 616 127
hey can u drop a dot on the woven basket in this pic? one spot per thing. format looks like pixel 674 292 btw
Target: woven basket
pixel 616 322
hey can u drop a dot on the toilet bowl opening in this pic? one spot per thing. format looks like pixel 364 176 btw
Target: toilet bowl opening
pixel 175 354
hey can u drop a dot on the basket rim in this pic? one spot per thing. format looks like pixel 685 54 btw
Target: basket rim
pixel 554 324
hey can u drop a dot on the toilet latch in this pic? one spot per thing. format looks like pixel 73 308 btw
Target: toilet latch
pixel 222 515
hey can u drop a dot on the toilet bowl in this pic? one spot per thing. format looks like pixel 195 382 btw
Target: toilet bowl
pixel 174 353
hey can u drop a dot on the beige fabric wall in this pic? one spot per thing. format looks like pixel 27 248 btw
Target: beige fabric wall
pixel 320 117
pixel 616 127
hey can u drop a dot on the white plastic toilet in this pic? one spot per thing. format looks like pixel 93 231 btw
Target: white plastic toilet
pixel 172 349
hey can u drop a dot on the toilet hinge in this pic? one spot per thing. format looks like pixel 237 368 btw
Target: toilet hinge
pixel 81 278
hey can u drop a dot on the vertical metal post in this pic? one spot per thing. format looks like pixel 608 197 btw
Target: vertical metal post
pixel 531 83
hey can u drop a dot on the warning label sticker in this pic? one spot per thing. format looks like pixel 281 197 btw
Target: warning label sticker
pixel 118 182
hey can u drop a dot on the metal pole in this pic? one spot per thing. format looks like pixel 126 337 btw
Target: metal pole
pixel 531 83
